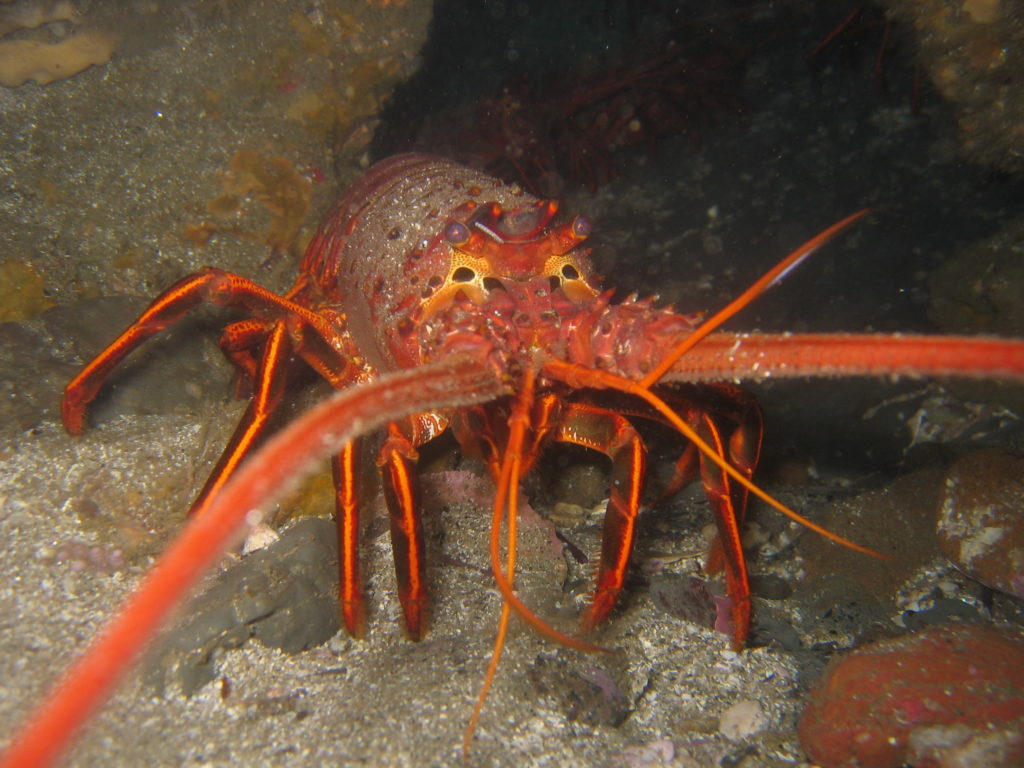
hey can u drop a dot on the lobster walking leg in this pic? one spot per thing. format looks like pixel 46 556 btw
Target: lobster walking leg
pixel 240 342
pixel 714 451
pixel 729 420
pixel 483 431
pixel 742 442
pixel 276 467
pixel 592 427
pixel 345 467
pixel 209 285
pixel 397 462
pixel 613 435
pixel 729 508
pixel 467 283
pixel 269 389
pixel 402 494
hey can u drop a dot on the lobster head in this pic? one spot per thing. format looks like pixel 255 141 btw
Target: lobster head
pixel 516 251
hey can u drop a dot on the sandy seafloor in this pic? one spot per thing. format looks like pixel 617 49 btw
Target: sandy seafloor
pixel 103 172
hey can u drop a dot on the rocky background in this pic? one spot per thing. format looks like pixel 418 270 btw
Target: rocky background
pixel 143 140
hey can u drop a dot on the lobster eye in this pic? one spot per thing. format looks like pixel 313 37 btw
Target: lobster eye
pixel 457 233
pixel 581 227
pixel 463 274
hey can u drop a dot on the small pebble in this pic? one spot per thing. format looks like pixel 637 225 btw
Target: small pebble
pixel 742 720
pixel 261 535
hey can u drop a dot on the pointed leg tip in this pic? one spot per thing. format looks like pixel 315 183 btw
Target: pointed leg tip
pixel 73 417
pixel 415 620
pixel 354 620
pixel 602 605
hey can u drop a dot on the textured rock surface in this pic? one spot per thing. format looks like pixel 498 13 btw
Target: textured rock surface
pixel 921 699
pixel 972 51
pixel 981 519
pixel 284 596
pixel 216 128
pixel 36 56
pixel 979 290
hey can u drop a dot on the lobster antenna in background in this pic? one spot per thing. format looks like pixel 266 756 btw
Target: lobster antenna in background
pixel 773 276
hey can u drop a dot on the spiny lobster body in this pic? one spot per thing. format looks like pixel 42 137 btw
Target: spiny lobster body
pixel 419 261
pixel 434 296
pixel 384 255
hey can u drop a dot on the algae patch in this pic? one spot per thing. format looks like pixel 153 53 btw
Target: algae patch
pixel 21 292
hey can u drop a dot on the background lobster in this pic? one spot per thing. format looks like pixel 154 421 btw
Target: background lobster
pixel 434 296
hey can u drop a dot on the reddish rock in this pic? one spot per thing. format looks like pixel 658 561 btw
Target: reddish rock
pixel 981 519
pixel 951 695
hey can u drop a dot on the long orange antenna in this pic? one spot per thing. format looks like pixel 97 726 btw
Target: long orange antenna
pixel 519 425
pixel 774 276
pixel 508 487
pixel 506 505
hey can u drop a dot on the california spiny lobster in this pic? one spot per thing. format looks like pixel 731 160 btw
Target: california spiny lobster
pixel 434 296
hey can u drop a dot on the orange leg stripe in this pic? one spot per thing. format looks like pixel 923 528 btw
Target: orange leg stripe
pixel 519 424
pixel 544 418
pixel 614 571
pixel 269 390
pixel 401 492
pixel 336 367
pixel 619 529
pixel 579 377
pixel 345 468
pixel 240 342
pixel 637 464
pixel 717 484
pixel 452 383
